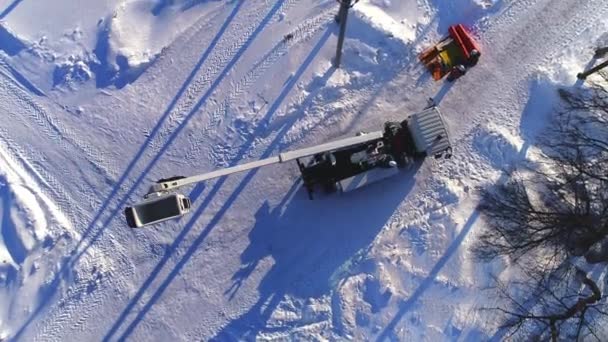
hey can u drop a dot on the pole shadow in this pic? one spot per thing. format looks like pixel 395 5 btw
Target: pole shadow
pixel 202 101
pixel 96 227
pixel 153 133
pixel 9 8
pixel 445 88
pixel 410 303
pixel 391 62
pixel 261 130
pixel 309 241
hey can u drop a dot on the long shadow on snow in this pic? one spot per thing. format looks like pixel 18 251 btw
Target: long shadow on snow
pixel 202 101
pixel 227 204
pixel 9 8
pixel 443 91
pixel 10 42
pixel 155 132
pixel 410 303
pixel 69 263
pixel 310 242
pixel 390 66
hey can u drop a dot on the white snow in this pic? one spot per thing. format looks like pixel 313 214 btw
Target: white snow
pixel 101 98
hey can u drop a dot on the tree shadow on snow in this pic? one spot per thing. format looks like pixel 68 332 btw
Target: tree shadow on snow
pixel 309 241
pixel 534 121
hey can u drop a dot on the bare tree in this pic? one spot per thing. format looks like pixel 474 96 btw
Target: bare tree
pixel 552 221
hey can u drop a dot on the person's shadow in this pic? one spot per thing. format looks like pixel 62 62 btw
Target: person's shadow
pixel 312 243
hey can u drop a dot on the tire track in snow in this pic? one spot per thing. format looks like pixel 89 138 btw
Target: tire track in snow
pixel 50 127
pixel 517 56
pixel 176 121
pixel 301 34
pixel 39 120
pixel 217 64
pixel 26 159
pixel 360 98
pixel 188 99
pixel 537 53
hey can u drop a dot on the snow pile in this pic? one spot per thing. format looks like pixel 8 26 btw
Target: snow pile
pixel 30 228
pixel 115 40
pixel 136 34
pixel 72 73
pixel 398 25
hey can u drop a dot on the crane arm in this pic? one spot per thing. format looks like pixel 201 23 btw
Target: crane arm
pixel 176 182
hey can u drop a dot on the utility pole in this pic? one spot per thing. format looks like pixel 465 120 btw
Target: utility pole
pixel 598 53
pixel 345 5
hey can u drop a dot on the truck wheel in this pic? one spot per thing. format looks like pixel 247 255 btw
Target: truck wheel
pixel 457 72
pixel 474 57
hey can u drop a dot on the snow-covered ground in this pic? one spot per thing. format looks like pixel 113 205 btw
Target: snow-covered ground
pixel 100 98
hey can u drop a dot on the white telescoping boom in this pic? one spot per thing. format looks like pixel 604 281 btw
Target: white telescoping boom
pixel 177 182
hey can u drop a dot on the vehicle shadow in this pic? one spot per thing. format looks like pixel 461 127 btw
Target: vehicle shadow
pixel 310 242
pixel 260 131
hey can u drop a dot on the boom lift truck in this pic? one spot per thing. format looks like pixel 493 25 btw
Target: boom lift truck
pixel 342 165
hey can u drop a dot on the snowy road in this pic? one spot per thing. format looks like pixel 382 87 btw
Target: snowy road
pixel 256 259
